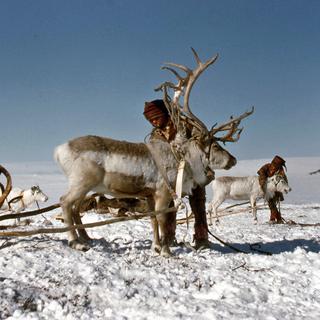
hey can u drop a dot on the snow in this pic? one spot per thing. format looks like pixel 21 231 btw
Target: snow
pixel 120 278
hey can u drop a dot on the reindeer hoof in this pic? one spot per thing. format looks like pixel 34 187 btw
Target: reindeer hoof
pixel 156 248
pixel 275 222
pixel 165 252
pixel 78 245
pixel 202 244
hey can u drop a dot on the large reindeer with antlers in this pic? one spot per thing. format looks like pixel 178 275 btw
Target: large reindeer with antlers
pixel 149 170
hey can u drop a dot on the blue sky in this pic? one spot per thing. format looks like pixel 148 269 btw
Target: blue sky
pixel 70 68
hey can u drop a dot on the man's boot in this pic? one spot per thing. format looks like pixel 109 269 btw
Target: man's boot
pixel 275 216
pixel 200 237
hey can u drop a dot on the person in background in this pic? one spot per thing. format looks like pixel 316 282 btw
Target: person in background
pixel 157 114
pixel 268 170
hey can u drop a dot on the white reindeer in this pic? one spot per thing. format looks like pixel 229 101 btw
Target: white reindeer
pixel 244 188
pixel 149 170
pixel 19 199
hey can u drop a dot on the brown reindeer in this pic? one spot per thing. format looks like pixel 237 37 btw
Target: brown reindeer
pixel 149 170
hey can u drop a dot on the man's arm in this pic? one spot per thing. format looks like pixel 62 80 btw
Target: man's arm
pixel 263 176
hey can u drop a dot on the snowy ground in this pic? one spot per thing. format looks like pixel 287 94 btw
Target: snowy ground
pixel 120 278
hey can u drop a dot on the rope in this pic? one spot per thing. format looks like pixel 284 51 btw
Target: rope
pixel 29 213
pixel 236 249
pixel 262 206
pixel 293 223
pixel 191 216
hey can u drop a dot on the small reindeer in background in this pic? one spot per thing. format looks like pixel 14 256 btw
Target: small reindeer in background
pixel 244 188
pixel 19 199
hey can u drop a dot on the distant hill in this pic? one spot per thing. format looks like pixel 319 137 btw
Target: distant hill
pixel 305 186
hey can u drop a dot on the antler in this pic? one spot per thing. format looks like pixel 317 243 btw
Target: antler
pixel 233 132
pixel 185 85
pixel 8 186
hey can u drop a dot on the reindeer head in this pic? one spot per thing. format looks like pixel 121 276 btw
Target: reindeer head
pixel 278 183
pixel 191 130
pixel 38 194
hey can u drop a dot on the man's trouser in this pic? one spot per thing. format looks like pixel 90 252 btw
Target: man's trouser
pixel 275 214
pixel 198 206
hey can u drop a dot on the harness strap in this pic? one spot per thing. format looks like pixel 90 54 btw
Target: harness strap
pixel 178 202
pixel 16 199
pixel 176 152
pixel 179 181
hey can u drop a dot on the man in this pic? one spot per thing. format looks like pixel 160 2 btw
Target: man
pixel 277 165
pixel 157 114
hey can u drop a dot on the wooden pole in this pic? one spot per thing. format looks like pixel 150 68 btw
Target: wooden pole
pixel 83 226
pixel 29 213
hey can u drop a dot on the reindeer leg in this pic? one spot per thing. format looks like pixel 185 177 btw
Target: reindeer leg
pixel 19 210
pixel 253 204
pixel 83 235
pixel 215 207
pixel 67 202
pixel 162 203
pixel 210 213
pixel 170 225
pixel 156 245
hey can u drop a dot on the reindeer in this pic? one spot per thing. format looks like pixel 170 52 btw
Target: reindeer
pixel 19 199
pixel 244 188
pixel 148 170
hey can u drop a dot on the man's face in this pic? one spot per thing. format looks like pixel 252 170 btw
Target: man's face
pixel 159 122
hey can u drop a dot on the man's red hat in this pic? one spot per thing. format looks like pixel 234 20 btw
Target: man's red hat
pixel 278 162
pixel 155 109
